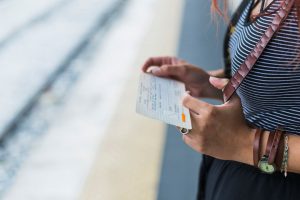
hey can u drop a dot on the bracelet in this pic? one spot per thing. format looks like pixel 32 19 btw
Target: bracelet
pixel 257 146
pixel 269 145
pixel 275 144
pixel 279 155
pixel 284 164
pixel 263 163
pixel 276 153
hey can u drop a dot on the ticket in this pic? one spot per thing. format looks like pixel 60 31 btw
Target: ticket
pixel 161 99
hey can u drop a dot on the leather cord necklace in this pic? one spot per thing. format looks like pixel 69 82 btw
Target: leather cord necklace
pixel 253 56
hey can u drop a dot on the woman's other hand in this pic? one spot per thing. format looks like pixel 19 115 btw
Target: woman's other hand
pixel 195 79
pixel 219 131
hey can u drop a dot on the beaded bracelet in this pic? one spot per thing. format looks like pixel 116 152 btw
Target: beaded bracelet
pixel 284 164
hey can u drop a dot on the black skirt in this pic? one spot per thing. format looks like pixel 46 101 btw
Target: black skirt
pixel 228 180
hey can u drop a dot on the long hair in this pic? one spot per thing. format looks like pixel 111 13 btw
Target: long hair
pixel 223 12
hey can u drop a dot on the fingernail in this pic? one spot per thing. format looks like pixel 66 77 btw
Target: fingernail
pixel 213 78
pixel 186 94
pixel 156 70
pixel 222 80
pixel 149 70
pixel 153 70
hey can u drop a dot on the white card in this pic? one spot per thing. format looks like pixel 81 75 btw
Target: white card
pixel 161 99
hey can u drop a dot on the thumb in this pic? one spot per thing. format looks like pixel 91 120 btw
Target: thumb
pixel 218 83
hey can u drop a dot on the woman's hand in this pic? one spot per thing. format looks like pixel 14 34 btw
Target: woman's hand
pixel 196 80
pixel 220 131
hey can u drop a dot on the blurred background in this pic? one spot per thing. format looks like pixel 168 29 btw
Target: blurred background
pixel 69 76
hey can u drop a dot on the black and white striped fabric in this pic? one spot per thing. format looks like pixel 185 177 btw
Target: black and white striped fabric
pixel 270 93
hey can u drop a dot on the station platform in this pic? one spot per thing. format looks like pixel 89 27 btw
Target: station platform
pixel 96 147
pixel 152 162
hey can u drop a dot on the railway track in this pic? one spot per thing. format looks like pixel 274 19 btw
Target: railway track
pixel 58 67
pixel 14 137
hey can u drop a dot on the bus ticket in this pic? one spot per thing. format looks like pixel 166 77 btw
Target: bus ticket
pixel 161 99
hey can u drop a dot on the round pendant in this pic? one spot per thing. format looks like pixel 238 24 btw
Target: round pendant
pixel 265 167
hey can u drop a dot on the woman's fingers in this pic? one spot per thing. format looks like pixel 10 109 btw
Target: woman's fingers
pixel 160 61
pixel 170 70
pixel 153 69
pixel 218 83
pixel 194 104
pixel 153 61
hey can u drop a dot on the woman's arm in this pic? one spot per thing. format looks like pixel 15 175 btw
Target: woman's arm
pixel 294 151
pixel 294 154
pixel 245 154
pixel 222 131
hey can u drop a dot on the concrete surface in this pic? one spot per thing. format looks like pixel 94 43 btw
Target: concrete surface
pixel 129 160
pixel 201 43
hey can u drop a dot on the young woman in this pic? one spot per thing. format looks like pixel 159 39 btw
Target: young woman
pixel 268 97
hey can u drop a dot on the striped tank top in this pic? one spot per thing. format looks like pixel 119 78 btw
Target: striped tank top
pixel 270 94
